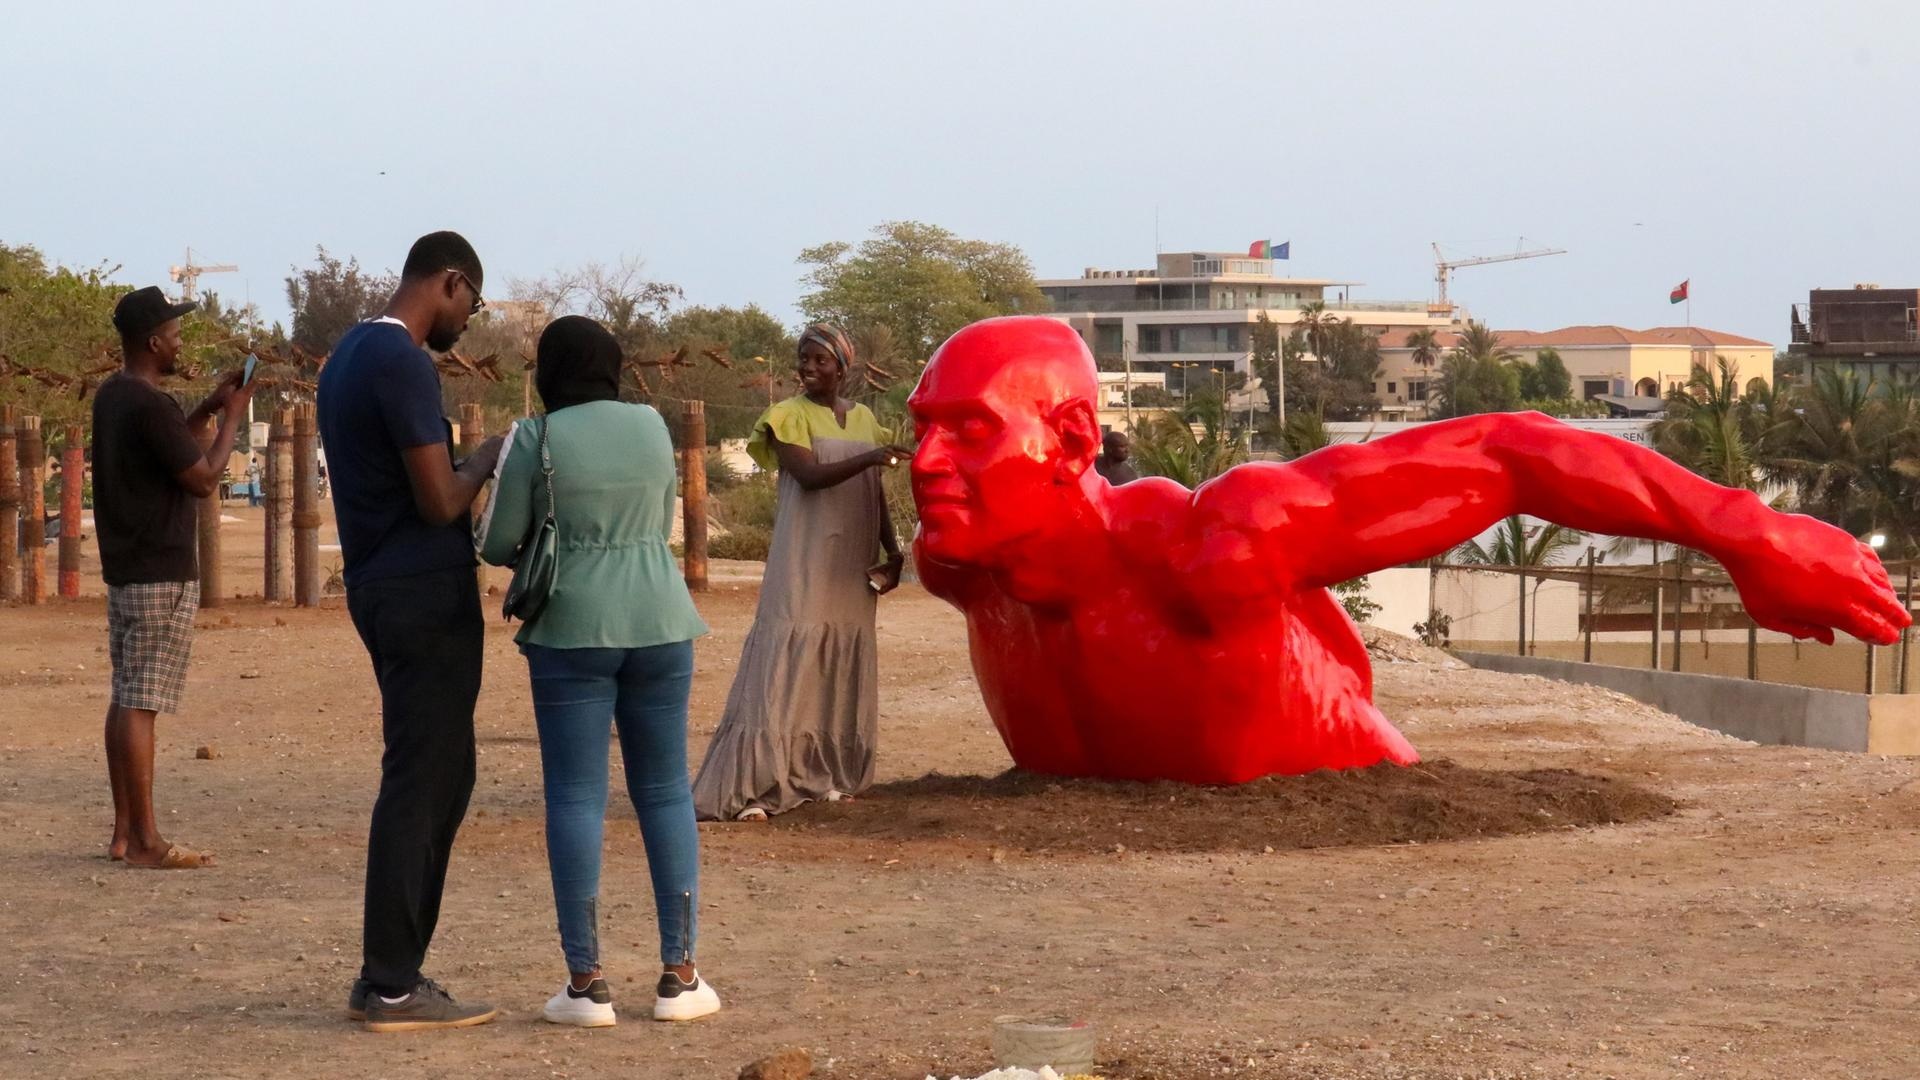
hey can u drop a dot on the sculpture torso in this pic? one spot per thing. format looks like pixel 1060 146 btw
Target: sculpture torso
pixel 1133 678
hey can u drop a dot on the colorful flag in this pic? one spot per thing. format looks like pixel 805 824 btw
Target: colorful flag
pixel 1679 292
pixel 1267 249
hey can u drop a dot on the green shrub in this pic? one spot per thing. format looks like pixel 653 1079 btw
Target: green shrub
pixel 747 504
pixel 720 475
pixel 749 543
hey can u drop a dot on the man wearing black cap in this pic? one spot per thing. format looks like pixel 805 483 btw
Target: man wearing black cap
pixel 401 503
pixel 150 463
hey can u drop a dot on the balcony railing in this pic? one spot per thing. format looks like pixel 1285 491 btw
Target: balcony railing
pixel 1864 324
pixel 1062 305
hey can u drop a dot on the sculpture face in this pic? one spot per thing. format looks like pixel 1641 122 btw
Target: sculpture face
pixel 994 466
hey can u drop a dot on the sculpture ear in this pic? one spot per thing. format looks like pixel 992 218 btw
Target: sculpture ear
pixel 1079 431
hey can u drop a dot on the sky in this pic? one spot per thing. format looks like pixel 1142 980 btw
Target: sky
pixel 1758 149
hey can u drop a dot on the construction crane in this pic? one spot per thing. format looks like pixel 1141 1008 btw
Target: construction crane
pixel 187 275
pixel 1443 269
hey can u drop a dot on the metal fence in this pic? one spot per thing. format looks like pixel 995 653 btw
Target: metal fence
pixel 1681 614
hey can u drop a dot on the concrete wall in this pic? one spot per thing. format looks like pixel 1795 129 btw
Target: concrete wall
pixel 1401 593
pixel 1758 712
pixel 1841 666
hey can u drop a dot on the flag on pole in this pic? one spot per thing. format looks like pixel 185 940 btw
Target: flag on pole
pixel 1679 292
pixel 1267 249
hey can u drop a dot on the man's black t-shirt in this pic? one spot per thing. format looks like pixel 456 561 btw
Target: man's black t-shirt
pixel 142 516
pixel 379 397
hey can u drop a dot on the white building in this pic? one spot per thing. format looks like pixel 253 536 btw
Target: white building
pixel 1191 318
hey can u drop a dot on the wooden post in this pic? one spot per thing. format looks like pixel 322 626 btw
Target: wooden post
pixel 1679 605
pixel 1909 631
pixel 33 511
pixel 1587 652
pixel 73 475
pixel 306 507
pixel 279 560
pixel 693 493
pixel 209 550
pixel 1659 603
pixel 1522 575
pixel 473 424
pixel 9 508
pixel 1753 652
pixel 1870 671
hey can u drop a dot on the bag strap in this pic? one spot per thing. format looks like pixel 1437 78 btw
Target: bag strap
pixel 546 463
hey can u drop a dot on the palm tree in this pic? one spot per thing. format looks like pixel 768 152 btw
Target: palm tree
pixel 1306 432
pixel 1477 376
pixel 1712 430
pixel 1166 445
pixel 1312 324
pixel 1482 344
pixel 1513 544
pixel 1425 343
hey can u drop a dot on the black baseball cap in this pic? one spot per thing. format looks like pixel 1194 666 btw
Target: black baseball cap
pixel 140 311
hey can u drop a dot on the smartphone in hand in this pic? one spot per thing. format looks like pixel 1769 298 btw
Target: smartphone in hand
pixel 246 372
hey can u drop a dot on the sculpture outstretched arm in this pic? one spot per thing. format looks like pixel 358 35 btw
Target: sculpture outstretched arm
pixel 1347 510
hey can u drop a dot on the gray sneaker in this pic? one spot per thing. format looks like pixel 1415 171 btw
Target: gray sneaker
pixel 428 1006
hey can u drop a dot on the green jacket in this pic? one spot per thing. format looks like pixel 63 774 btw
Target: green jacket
pixel 618 585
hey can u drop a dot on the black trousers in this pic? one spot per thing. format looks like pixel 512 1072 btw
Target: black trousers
pixel 425 636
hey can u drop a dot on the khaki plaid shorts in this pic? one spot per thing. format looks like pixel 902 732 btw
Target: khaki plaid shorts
pixel 149 636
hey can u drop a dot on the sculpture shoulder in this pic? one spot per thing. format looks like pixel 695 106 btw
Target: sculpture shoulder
pixel 1259 496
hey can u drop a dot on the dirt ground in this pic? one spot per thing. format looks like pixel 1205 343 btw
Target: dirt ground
pixel 1750 915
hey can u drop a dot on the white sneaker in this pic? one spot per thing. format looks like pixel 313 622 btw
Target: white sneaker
pixel 592 1007
pixel 677 1000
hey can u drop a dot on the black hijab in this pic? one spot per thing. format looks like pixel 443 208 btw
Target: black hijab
pixel 577 361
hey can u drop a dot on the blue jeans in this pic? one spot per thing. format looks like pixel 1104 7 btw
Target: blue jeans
pixel 643 692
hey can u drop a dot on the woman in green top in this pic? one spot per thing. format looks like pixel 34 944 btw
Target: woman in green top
pixel 804 710
pixel 613 646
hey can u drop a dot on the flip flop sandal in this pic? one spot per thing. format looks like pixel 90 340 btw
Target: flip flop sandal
pixel 179 858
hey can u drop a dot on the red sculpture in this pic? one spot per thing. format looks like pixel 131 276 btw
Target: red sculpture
pixel 1151 632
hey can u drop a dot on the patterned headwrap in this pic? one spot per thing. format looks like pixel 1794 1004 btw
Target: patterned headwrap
pixel 835 339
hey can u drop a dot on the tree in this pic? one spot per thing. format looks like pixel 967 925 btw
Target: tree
pixel 1555 381
pixel 328 297
pixel 1305 432
pixel 57 340
pixel 1514 543
pixel 1311 325
pixel 920 281
pixel 760 350
pixel 1167 445
pixel 1711 430
pixel 1477 376
pixel 1264 338
pixel 632 306
pixel 1425 343
pixel 1340 385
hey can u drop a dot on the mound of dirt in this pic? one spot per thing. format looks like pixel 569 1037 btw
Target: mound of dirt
pixel 1386 804
pixel 1387 647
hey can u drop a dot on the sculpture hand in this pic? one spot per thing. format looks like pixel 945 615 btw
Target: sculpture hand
pixel 1811 579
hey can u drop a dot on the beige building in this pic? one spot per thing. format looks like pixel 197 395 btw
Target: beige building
pixel 1605 361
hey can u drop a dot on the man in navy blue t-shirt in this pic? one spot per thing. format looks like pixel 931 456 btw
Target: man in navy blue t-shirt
pixel 401 503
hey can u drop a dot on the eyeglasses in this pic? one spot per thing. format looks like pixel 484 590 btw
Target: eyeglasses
pixel 471 287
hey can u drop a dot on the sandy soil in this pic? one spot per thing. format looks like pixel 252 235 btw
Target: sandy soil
pixel 1761 928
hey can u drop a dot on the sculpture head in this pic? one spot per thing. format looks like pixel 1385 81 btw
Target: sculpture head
pixel 1007 426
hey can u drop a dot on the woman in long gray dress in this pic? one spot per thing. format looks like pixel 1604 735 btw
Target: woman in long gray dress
pixel 804 711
